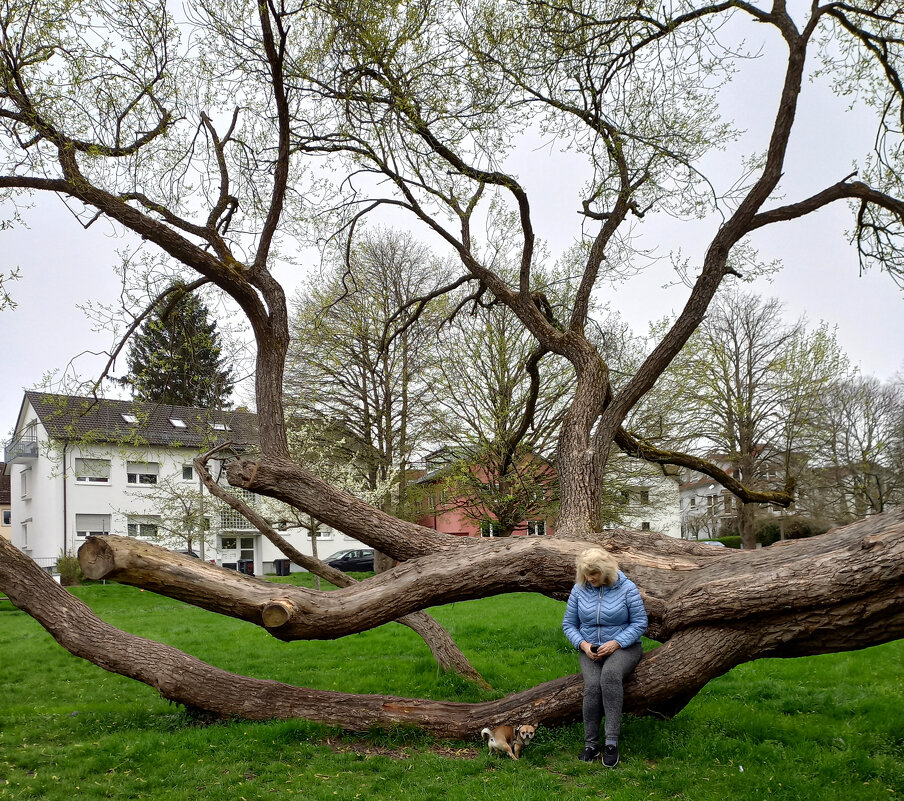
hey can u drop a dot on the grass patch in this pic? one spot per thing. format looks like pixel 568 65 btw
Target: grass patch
pixel 828 727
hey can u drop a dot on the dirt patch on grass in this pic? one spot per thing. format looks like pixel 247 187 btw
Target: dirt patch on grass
pixel 367 749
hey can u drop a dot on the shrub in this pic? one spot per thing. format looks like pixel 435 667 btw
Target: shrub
pixel 728 528
pixel 800 528
pixel 732 541
pixel 70 570
pixel 768 532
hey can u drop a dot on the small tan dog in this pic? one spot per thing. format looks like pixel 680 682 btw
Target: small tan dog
pixel 508 740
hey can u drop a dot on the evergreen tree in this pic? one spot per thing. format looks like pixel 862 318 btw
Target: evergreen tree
pixel 176 358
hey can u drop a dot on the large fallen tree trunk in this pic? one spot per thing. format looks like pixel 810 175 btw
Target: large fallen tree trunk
pixel 684 585
pixel 841 591
pixel 446 653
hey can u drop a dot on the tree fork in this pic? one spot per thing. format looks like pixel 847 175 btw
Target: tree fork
pixel 446 653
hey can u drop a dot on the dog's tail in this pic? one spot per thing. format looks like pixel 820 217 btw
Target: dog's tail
pixel 486 734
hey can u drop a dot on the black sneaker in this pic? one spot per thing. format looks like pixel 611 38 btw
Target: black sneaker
pixel 589 754
pixel 610 756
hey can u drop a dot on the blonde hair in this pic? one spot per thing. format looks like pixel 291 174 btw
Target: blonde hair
pixel 596 560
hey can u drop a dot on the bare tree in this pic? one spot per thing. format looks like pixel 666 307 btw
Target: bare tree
pixel 502 404
pixel 200 151
pixel 358 369
pixel 858 470
pixel 750 387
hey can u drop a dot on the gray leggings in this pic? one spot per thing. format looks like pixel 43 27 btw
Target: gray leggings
pixel 604 691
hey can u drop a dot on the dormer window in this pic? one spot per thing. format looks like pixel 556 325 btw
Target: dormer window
pixel 177 423
pixel 130 418
pixel 220 427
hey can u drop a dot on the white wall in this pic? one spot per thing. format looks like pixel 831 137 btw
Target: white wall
pixel 37 514
pixel 52 485
pixel 662 512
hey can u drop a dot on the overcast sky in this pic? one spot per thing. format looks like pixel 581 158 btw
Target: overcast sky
pixel 63 265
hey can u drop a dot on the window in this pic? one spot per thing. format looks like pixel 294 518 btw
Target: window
pixel 145 527
pixel 130 418
pixel 727 501
pixel 644 496
pixel 693 502
pixel 188 472
pixel 644 526
pixel 489 528
pixel 220 427
pixel 142 473
pixel 244 546
pixel 7 517
pixel 25 535
pixel 177 423
pixel 536 528
pixel 92 471
pixel 711 502
pixel 624 496
pixel 230 519
pixel 24 481
pixel 92 525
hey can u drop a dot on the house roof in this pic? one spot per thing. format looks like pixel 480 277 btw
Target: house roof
pixel 5 493
pixel 70 417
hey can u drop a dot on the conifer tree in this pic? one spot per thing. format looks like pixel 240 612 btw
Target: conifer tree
pixel 176 357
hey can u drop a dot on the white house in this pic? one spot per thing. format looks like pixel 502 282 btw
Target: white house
pixel 81 466
pixel 706 505
pixel 648 497
pixel 641 495
pixel 6 510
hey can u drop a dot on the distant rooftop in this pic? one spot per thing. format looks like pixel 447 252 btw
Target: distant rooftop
pixel 70 417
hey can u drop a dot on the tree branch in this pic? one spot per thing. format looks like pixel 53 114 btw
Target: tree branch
pixel 447 654
pixel 639 449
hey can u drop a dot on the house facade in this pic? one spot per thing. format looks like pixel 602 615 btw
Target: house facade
pixel 707 507
pixel 645 498
pixel 445 508
pixel 84 466
pixel 6 511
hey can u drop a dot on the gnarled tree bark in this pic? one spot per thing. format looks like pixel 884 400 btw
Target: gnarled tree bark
pixel 713 609
pixel 446 653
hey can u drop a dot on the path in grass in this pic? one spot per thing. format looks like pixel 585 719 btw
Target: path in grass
pixel 829 727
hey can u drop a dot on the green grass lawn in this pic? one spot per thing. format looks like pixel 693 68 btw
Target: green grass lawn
pixel 829 727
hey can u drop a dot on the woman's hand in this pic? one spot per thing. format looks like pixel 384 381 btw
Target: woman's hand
pixel 602 651
pixel 606 648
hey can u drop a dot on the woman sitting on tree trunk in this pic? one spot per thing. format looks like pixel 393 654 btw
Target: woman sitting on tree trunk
pixel 604 619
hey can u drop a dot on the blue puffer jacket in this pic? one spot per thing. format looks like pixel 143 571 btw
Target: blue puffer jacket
pixel 600 614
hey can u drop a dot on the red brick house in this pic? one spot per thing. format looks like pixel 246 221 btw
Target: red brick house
pixel 441 509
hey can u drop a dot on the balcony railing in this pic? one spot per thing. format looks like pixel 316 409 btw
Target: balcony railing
pixel 22 449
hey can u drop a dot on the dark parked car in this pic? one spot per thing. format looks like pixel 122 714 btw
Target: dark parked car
pixel 353 561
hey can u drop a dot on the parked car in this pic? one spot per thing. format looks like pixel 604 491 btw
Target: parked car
pixel 360 560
